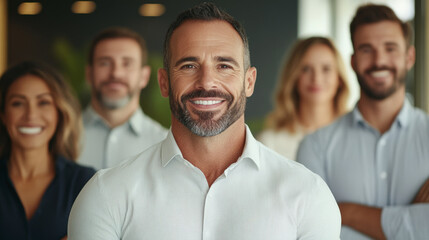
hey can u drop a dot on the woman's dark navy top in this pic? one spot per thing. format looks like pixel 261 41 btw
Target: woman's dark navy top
pixel 51 217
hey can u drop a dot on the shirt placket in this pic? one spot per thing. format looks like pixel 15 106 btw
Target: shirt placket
pixel 382 170
pixel 110 148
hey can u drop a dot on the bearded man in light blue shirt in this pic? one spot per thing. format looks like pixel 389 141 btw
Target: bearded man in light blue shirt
pixel 115 125
pixel 375 159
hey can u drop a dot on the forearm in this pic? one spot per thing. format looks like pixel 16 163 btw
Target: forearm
pixel 364 219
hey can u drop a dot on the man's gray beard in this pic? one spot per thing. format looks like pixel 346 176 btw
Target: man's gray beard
pixel 113 104
pixel 206 126
pixel 381 95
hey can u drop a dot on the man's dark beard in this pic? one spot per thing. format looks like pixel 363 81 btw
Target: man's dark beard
pixel 380 95
pixel 205 126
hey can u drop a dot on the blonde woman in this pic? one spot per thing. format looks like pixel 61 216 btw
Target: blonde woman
pixel 39 132
pixel 312 92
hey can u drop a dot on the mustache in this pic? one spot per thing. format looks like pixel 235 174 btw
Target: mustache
pixel 203 93
pixel 113 80
pixel 375 68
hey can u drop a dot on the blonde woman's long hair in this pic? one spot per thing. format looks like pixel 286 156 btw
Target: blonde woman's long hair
pixel 286 99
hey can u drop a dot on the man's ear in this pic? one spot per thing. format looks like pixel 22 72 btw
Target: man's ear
pixel 163 82
pixel 411 57
pixel 144 76
pixel 249 81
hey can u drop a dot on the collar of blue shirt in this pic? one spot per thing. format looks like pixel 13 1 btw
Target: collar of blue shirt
pixel 402 119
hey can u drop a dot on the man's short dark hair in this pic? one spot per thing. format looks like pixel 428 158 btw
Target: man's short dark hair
pixel 206 12
pixel 114 33
pixel 373 13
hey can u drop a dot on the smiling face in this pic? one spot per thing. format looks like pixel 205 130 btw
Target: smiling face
pixel 116 74
pixel 207 84
pixel 319 80
pixel 381 59
pixel 30 116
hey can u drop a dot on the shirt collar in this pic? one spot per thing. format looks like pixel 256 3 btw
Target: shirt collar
pixel 402 119
pixel 170 150
pixel 136 121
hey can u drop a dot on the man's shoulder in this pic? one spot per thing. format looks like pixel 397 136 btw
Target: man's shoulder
pixel 132 170
pixel 420 116
pixel 284 168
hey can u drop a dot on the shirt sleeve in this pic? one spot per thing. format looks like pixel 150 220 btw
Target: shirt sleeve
pixel 321 219
pixel 310 155
pixel 406 222
pixel 91 216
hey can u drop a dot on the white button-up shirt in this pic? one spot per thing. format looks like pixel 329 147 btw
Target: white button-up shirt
pixel 105 147
pixel 160 195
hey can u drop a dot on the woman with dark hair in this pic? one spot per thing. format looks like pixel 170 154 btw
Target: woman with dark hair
pixel 39 134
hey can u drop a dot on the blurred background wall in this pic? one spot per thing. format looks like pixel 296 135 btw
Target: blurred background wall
pixel 58 32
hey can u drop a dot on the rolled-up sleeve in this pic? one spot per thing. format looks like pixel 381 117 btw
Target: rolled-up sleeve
pixel 406 222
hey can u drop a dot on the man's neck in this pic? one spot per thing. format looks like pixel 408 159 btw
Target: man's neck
pixel 212 155
pixel 380 114
pixel 115 117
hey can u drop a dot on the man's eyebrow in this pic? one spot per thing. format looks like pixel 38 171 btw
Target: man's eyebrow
pixel 227 59
pixel 391 44
pixel 364 45
pixel 101 58
pixel 186 59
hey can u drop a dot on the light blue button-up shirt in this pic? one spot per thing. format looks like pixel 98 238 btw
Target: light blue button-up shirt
pixel 105 147
pixel 361 165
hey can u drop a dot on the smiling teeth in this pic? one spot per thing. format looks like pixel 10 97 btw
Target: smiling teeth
pixel 383 73
pixel 202 102
pixel 30 130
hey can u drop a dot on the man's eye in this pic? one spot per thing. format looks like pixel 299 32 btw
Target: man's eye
pixel 224 66
pixel 188 66
pixel 366 50
pixel 103 63
pixel 390 49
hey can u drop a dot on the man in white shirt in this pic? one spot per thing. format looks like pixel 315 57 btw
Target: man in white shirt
pixel 115 125
pixel 209 179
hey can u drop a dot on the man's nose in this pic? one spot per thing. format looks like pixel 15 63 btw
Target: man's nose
pixel 207 78
pixel 380 59
pixel 118 71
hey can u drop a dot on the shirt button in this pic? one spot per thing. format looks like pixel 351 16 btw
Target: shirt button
pixel 383 175
pixel 382 142
pixel 113 139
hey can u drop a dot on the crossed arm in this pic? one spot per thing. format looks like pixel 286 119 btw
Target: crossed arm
pixel 367 220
